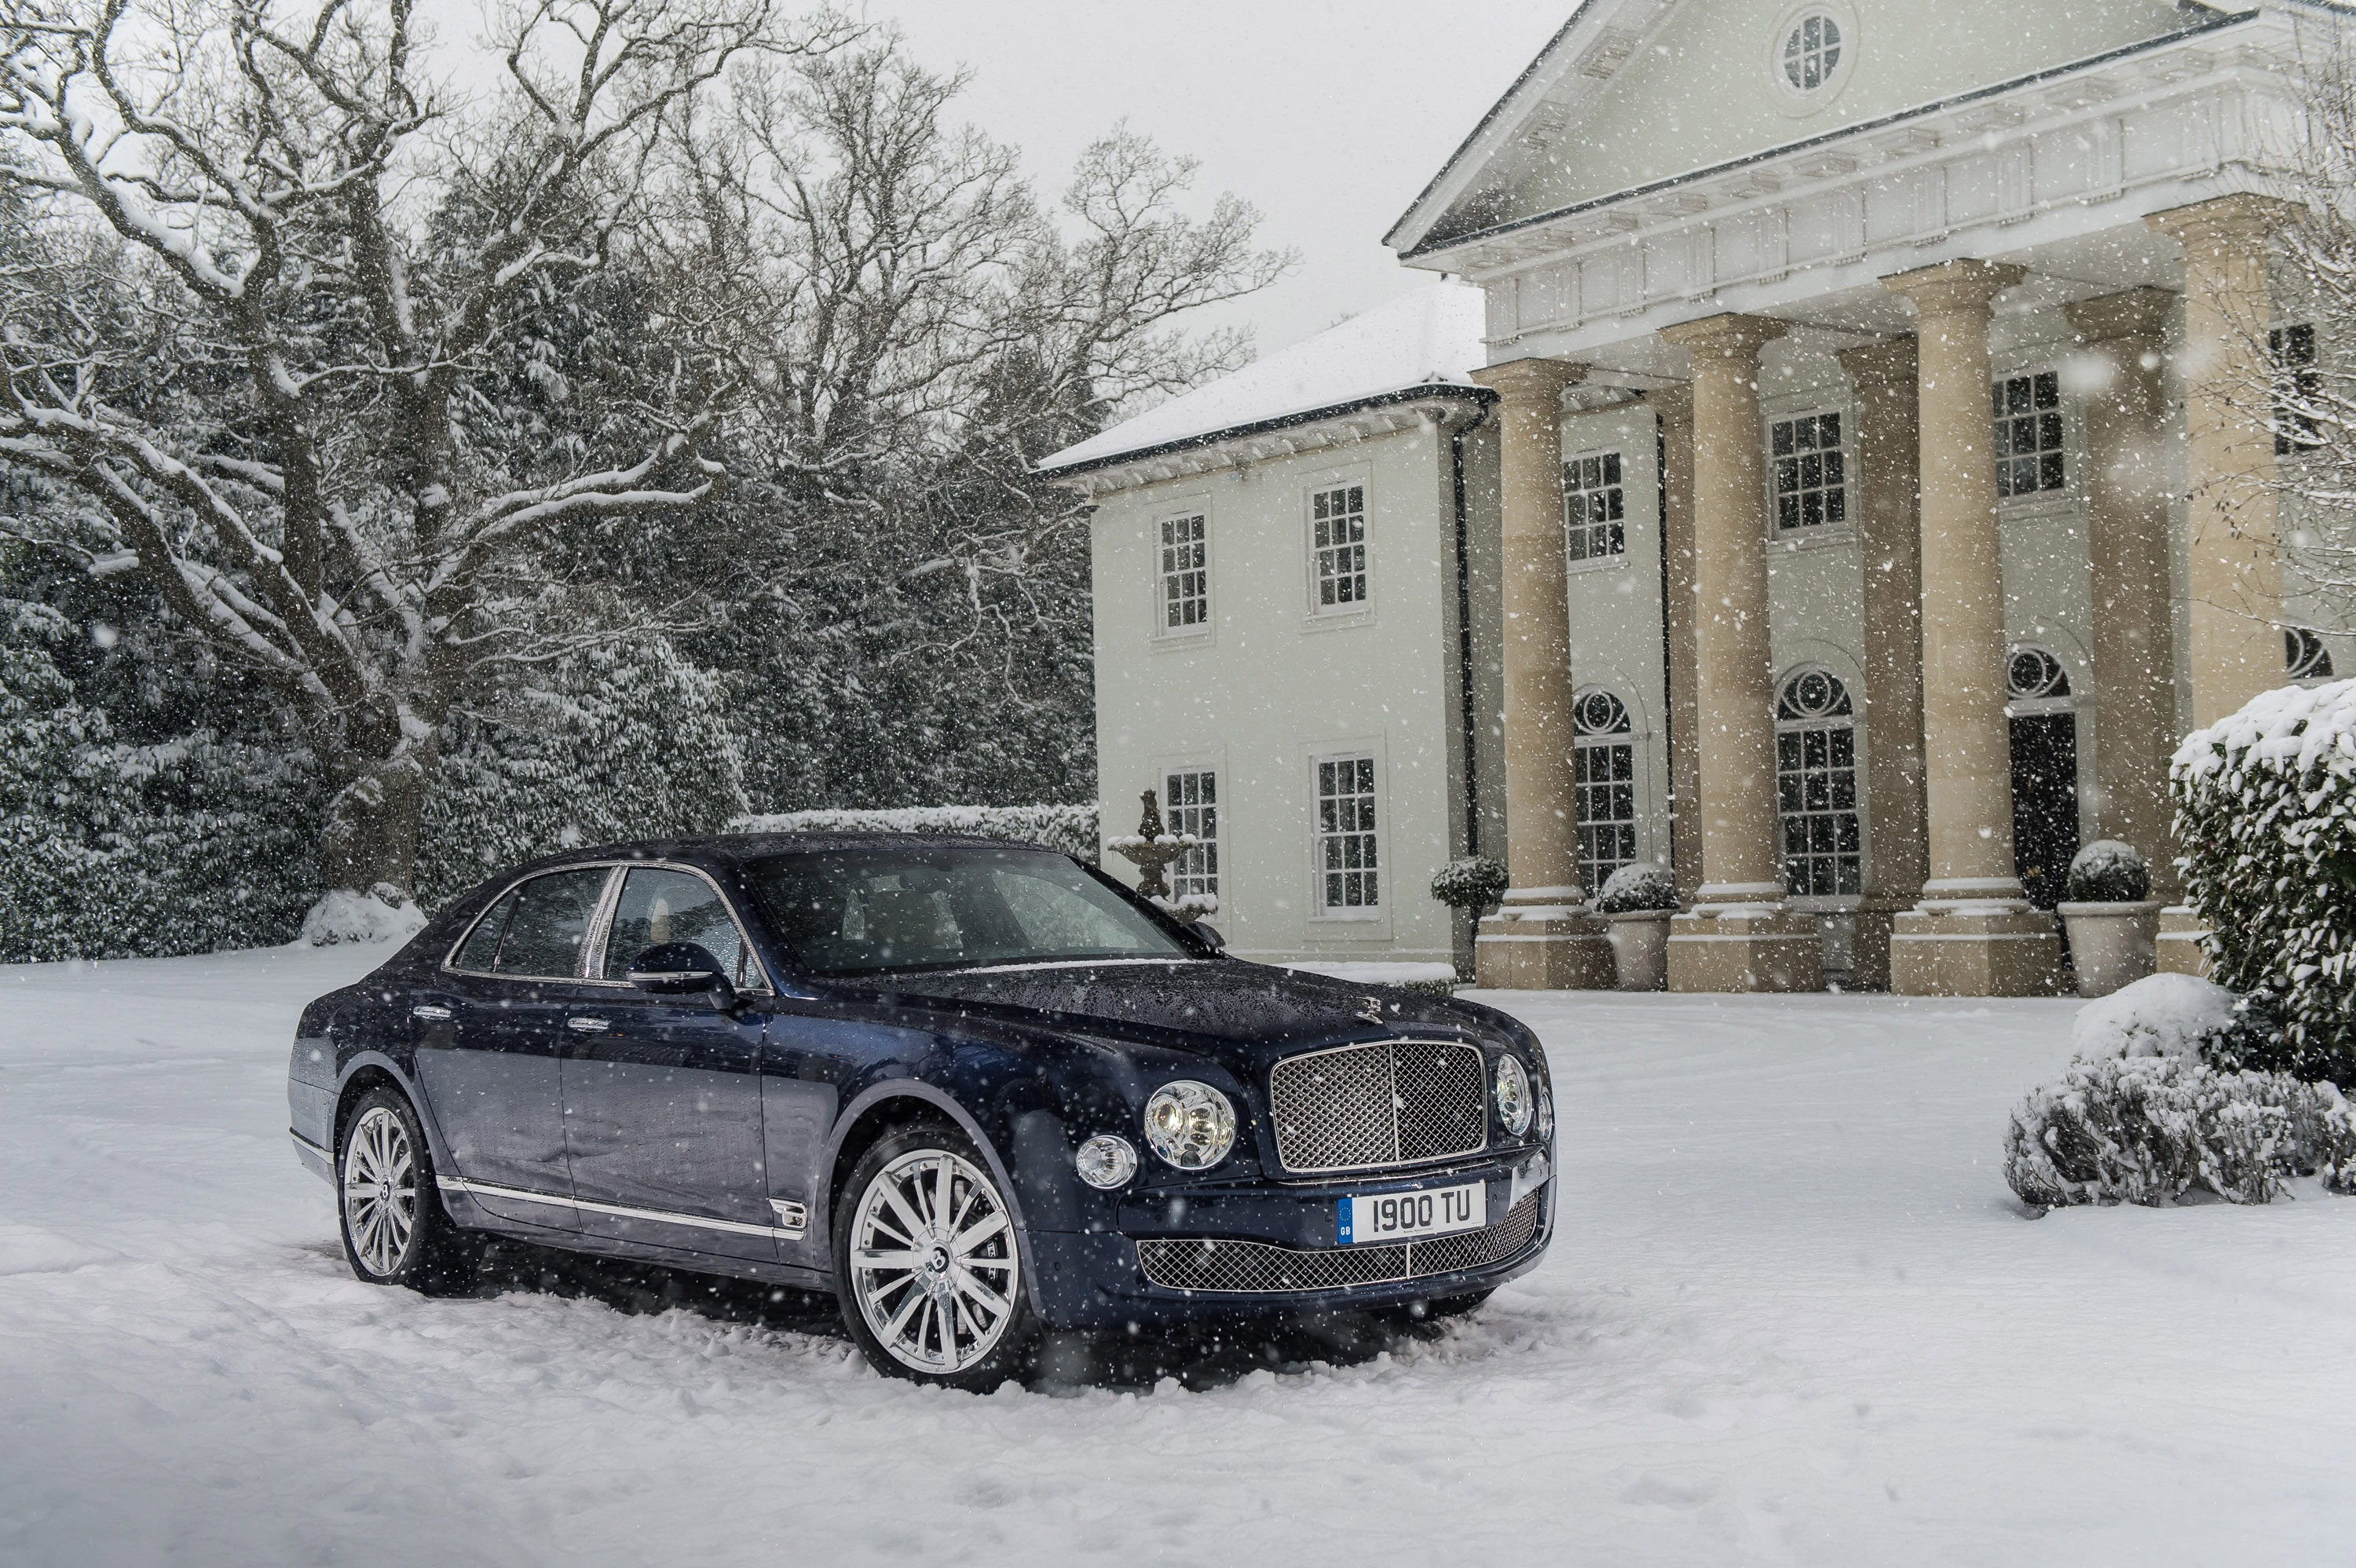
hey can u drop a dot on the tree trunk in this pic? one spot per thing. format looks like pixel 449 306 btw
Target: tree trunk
pixel 370 834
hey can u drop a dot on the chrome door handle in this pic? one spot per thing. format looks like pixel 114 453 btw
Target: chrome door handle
pixel 428 1011
pixel 587 1026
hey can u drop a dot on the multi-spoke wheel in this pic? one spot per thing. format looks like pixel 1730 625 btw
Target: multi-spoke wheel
pixel 395 1231
pixel 930 1264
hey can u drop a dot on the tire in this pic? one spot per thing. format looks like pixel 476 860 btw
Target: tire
pixel 958 1313
pixel 390 1211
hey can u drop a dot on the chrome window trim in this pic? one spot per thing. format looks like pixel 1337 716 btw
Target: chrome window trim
pixel 450 959
pixel 1418 1167
pixel 600 926
pixel 621 1211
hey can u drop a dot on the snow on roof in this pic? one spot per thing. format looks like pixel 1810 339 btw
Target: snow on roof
pixel 1433 335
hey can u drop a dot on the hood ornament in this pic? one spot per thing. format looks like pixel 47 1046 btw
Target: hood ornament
pixel 1371 1009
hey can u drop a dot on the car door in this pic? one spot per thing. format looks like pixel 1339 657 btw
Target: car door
pixel 492 1069
pixel 662 1094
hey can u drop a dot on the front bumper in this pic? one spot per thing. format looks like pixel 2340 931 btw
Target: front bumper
pixel 1270 1249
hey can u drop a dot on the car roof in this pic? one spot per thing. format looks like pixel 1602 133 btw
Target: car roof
pixel 734 849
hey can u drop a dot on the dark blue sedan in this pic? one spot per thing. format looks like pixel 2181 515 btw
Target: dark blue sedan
pixel 976 1090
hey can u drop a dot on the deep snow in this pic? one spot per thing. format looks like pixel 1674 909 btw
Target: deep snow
pixel 1792 1316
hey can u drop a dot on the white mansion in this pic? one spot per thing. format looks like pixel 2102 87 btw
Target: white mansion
pixel 1820 490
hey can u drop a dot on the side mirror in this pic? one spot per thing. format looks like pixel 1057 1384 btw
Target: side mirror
pixel 1210 935
pixel 683 969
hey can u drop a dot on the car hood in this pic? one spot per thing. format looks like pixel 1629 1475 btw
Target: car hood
pixel 1225 1008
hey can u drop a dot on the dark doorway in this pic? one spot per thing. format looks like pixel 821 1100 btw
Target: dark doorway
pixel 2044 802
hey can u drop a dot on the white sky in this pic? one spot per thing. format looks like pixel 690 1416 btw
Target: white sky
pixel 1328 115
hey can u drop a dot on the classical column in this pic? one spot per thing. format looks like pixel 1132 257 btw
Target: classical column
pixel 1545 938
pixel 1739 934
pixel 2235 583
pixel 1889 524
pixel 2128 488
pixel 1675 407
pixel 1973 935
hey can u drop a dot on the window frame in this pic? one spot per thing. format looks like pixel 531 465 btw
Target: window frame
pixel 1345 913
pixel 1806 536
pixel 1362 607
pixel 2303 374
pixel 1200 510
pixel 1851 724
pixel 1627 737
pixel 2072 458
pixel 2302 671
pixel 601 922
pixel 1170 817
pixel 1617 457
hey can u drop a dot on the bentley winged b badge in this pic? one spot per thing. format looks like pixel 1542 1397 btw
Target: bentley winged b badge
pixel 1371 1009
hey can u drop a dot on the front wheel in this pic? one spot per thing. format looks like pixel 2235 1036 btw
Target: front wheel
pixel 395 1231
pixel 930 1264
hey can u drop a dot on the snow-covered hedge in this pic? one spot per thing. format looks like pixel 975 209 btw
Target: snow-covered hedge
pixel 1476 882
pixel 2108 872
pixel 2265 820
pixel 1071 829
pixel 1638 887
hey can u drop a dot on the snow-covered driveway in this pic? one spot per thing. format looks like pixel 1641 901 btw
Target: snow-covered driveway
pixel 1794 1315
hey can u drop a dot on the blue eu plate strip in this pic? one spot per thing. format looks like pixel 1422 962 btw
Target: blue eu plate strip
pixel 1343 1223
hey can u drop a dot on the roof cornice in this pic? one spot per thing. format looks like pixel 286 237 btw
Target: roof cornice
pixel 1443 403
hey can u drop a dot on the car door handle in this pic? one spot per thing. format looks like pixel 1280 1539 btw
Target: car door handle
pixel 428 1011
pixel 587 1026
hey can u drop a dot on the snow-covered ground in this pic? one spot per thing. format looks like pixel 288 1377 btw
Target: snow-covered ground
pixel 1793 1317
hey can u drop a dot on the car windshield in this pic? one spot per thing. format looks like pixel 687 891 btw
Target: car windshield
pixel 893 910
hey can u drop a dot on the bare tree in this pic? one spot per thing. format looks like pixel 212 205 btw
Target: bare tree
pixel 282 406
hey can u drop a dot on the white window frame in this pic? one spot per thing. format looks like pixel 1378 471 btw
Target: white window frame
pixel 2300 659
pixel 1617 459
pixel 1370 759
pixel 2305 375
pixel 1185 817
pixel 1829 724
pixel 1163 572
pixel 1585 744
pixel 1325 484
pixel 1829 531
pixel 2072 459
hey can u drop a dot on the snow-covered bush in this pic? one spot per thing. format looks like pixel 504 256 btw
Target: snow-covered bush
pixel 2151 1130
pixel 2159 1014
pixel 1071 829
pixel 1476 883
pixel 2265 817
pixel 383 913
pixel 2108 872
pixel 1637 886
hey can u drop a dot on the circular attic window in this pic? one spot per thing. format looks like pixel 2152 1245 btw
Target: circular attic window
pixel 1811 53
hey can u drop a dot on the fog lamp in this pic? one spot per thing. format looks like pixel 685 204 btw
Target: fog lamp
pixel 1106 1161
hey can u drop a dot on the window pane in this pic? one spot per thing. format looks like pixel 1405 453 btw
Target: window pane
pixel 660 906
pixel 481 949
pixel 551 922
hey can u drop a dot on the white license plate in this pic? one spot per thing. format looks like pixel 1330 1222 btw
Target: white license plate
pixel 1403 1216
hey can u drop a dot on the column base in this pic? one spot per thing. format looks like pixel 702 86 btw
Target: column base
pixel 1993 953
pixel 1559 952
pixel 2179 949
pixel 1745 947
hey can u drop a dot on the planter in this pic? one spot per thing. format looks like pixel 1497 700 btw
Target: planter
pixel 1640 948
pixel 2112 944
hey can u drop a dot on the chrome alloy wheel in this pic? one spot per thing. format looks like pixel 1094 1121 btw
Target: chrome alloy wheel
pixel 380 1189
pixel 933 1261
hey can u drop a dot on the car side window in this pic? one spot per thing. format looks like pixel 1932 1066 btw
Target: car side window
pixel 480 951
pixel 550 922
pixel 658 906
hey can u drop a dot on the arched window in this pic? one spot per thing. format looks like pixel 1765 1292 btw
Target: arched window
pixel 2305 656
pixel 2035 677
pixel 1605 754
pixel 1815 786
pixel 2042 732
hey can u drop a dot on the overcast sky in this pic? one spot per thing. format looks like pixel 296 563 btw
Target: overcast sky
pixel 1328 115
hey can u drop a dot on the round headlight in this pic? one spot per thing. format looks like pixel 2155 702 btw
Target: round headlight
pixel 1106 1161
pixel 1190 1124
pixel 1514 1106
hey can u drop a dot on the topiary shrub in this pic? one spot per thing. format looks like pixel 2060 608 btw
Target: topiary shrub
pixel 2265 820
pixel 2108 872
pixel 1637 888
pixel 1476 883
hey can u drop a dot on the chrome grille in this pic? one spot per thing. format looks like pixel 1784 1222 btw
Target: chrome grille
pixel 1242 1267
pixel 1361 1107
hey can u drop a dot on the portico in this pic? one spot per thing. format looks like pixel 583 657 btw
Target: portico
pixel 1960 522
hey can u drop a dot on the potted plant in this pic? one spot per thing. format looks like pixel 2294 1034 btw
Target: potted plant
pixel 1639 899
pixel 2113 919
pixel 1475 885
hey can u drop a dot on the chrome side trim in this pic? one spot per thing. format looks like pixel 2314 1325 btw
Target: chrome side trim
pixel 309 1147
pixel 587 1206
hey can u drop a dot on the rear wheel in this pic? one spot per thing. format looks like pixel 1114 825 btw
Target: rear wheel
pixel 395 1231
pixel 929 1263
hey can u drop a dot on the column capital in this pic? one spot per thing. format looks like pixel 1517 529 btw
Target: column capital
pixel 1893 363
pixel 2224 222
pixel 1965 283
pixel 1673 403
pixel 2137 313
pixel 1729 336
pixel 1529 381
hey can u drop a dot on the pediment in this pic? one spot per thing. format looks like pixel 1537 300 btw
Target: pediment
pixel 1632 94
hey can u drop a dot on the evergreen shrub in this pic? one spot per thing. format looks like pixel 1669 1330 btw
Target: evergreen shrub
pixel 1638 887
pixel 2108 872
pixel 1477 883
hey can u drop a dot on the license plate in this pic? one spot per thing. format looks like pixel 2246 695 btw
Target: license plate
pixel 1403 1216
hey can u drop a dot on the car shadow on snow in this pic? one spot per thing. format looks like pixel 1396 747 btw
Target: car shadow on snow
pixel 1199 1357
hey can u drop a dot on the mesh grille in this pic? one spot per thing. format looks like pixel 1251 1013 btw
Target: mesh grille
pixel 1256 1266
pixel 1366 1106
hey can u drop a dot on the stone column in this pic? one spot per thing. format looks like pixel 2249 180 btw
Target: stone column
pixel 1973 935
pixel 1888 515
pixel 1545 938
pixel 1739 934
pixel 1675 407
pixel 2128 492
pixel 2237 574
